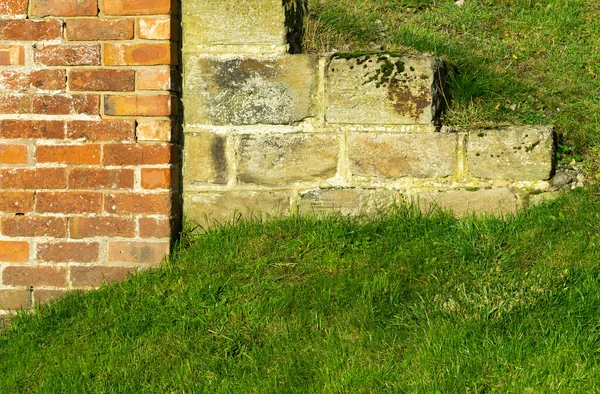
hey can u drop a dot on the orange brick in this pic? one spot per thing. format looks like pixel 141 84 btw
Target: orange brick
pixel 101 226
pixel 16 202
pixel 102 80
pixel 99 29
pixel 68 154
pixel 14 251
pixel 19 80
pixel 134 203
pixel 37 129
pixel 99 178
pixel 30 178
pixel 138 7
pixel 13 7
pixel 140 54
pixel 34 226
pixel 34 276
pixel 68 202
pixel 156 130
pixel 96 276
pixel 12 55
pixel 157 105
pixel 68 252
pixel 155 228
pixel 66 104
pixel 160 178
pixel 42 296
pixel 101 130
pixel 30 30
pixel 68 55
pixel 137 252
pixel 158 28
pixel 15 104
pixel 15 298
pixel 137 154
pixel 14 154
pixel 158 79
pixel 64 8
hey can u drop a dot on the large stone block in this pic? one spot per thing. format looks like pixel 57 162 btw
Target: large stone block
pixel 518 153
pixel 403 155
pixel 205 158
pixel 347 201
pixel 242 91
pixel 282 159
pixel 465 202
pixel 384 89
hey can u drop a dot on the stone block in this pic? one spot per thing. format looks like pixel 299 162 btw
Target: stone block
pixel 205 158
pixel 282 159
pixel 466 202
pixel 384 89
pixel 403 155
pixel 242 91
pixel 517 153
pixel 347 201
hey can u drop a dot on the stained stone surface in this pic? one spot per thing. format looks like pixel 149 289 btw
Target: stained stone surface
pixel 466 202
pixel 205 158
pixel 349 201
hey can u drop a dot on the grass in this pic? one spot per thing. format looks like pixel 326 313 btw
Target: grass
pixel 405 303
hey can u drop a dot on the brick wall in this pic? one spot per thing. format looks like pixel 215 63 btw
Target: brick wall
pixel 88 142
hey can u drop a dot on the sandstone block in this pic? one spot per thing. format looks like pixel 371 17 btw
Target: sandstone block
pixel 249 91
pixel 347 201
pixel 518 152
pixel 465 202
pixel 384 89
pixel 286 158
pixel 403 155
pixel 205 158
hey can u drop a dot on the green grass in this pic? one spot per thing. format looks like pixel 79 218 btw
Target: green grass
pixel 405 303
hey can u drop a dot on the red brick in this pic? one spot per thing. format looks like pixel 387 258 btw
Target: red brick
pixel 140 54
pixel 13 7
pixel 14 154
pixel 34 226
pixel 68 202
pixel 157 105
pixel 99 29
pixel 16 202
pixel 64 8
pixel 134 203
pixel 136 154
pixel 68 154
pixel 33 178
pixel 137 252
pixel 68 252
pixel 34 276
pixel 20 80
pixel 102 130
pixel 155 228
pixel 14 251
pixel 156 130
pixel 160 178
pixel 68 55
pixel 100 178
pixel 66 104
pixel 15 104
pixel 32 129
pixel 42 296
pixel 15 298
pixel 101 226
pixel 102 80
pixel 12 55
pixel 30 30
pixel 158 28
pixel 138 7
pixel 157 79
pixel 96 275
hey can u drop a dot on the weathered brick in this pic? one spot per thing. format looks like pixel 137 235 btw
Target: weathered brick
pixel 68 154
pixel 15 298
pixel 99 29
pixel 33 178
pixel 467 202
pixel 34 276
pixel 156 130
pixel 13 7
pixel 32 129
pixel 139 154
pixel 157 79
pixel 22 80
pixel 98 275
pixel 16 202
pixel 42 296
pixel 68 202
pixel 102 80
pixel 158 28
pixel 155 228
pixel 68 252
pixel 138 7
pixel 101 226
pixel 101 130
pixel 14 154
pixel 137 252
pixel 12 55
pixel 140 54
pixel 157 105
pixel 160 178
pixel 30 30
pixel 66 104
pixel 34 226
pixel 14 251
pixel 99 178
pixel 135 203
pixel 68 55
pixel 15 104
pixel 64 8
